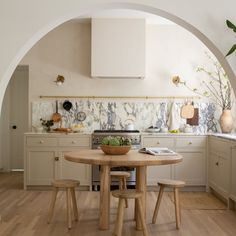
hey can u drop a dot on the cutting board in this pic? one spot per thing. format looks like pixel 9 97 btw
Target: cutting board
pixel 187 111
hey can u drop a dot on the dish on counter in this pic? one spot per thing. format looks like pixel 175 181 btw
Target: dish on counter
pixel 152 130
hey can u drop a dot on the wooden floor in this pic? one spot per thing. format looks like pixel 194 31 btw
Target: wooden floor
pixel 24 213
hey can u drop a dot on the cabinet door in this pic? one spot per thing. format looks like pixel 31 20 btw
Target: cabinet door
pixel 192 168
pixel 213 170
pixel 233 175
pixel 224 175
pixel 41 166
pixel 73 170
pixel 158 172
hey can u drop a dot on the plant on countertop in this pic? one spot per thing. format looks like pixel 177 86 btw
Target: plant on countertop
pixel 116 141
pixel 233 27
pixel 47 124
pixel 218 88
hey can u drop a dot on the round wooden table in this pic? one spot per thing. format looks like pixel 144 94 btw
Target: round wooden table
pixel 133 159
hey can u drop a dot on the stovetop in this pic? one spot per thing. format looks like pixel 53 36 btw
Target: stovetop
pixel 115 131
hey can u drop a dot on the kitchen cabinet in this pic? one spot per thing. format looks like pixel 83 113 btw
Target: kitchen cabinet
pixel 116 52
pixel 44 159
pixel 219 162
pixel 192 169
pixel 233 174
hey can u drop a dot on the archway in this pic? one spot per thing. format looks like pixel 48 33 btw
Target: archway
pixel 42 32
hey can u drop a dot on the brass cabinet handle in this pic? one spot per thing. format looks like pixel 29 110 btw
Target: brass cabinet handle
pixel 190 143
pixel 158 142
pixel 56 158
pixel 41 141
pixel 217 163
pixel 73 141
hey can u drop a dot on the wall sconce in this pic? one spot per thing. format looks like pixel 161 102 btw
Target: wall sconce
pixel 59 80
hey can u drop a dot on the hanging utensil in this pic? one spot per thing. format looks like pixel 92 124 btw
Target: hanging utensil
pixel 67 105
pixel 187 111
pixel 56 117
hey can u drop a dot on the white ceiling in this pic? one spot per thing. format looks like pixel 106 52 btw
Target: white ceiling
pixel 127 13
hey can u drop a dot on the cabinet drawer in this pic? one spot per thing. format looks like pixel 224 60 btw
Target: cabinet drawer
pixel 219 146
pixel 74 142
pixel 158 142
pixel 188 142
pixel 41 142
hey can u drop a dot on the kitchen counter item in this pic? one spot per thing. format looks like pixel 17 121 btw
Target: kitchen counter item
pixel 173 121
pixel 187 111
pixel 129 124
pixel 115 150
pixel 56 117
pixel 152 130
pixel 81 116
pixel 67 105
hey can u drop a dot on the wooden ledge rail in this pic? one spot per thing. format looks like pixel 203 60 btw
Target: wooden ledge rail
pixel 124 97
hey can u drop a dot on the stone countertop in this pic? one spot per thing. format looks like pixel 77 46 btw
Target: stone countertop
pixel 59 133
pixel 225 136
pixel 158 134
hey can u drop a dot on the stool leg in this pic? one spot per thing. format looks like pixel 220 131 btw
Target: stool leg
pixel 177 210
pixel 52 204
pixel 119 220
pixel 125 187
pixel 141 214
pixel 68 207
pixel 75 209
pixel 154 218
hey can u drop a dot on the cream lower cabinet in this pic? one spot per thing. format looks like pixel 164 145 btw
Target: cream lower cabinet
pixel 219 165
pixel 44 159
pixel 193 167
pixel 233 174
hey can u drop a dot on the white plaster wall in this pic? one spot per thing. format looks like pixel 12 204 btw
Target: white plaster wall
pixel 24 22
pixel 170 50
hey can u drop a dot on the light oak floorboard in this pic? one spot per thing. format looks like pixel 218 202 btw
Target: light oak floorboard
pixel 25 213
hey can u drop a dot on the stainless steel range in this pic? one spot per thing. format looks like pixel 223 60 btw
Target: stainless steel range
pixel 97 136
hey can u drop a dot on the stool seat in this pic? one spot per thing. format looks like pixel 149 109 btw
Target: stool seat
pixel 65 183
pixel 171 183
pixel 120 174
pixel 127 193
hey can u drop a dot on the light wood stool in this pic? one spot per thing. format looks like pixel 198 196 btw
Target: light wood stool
pixel 121 175
pixel 124 195
pixel 69 185
pixel 176 184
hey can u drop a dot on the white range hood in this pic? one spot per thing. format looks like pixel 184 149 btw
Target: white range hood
pixel 118 48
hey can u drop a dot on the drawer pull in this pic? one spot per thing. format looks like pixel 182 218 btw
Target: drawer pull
pixel 158 142
pixel 41 141
pixel 73 142
pixel 217 163
pixel 56 158
pixel 190 143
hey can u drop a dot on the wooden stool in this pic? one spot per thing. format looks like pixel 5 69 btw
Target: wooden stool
pixel 124 195
pixel 176 184
pixel 121 175
pixel 69 185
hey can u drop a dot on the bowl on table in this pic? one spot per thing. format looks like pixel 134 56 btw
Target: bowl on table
pixel 115 150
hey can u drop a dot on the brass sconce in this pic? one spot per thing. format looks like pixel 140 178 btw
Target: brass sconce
pixel 59 80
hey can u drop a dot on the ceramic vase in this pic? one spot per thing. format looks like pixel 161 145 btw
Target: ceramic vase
pixel 226 121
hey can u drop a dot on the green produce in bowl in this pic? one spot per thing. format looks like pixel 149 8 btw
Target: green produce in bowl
pixel 105 141
pixel 114 141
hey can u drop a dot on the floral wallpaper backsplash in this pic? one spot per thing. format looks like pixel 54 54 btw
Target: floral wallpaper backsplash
pixel 108 114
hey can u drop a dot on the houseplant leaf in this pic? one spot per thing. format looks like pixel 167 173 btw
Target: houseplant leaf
pixel 231 50
pixel 231 25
